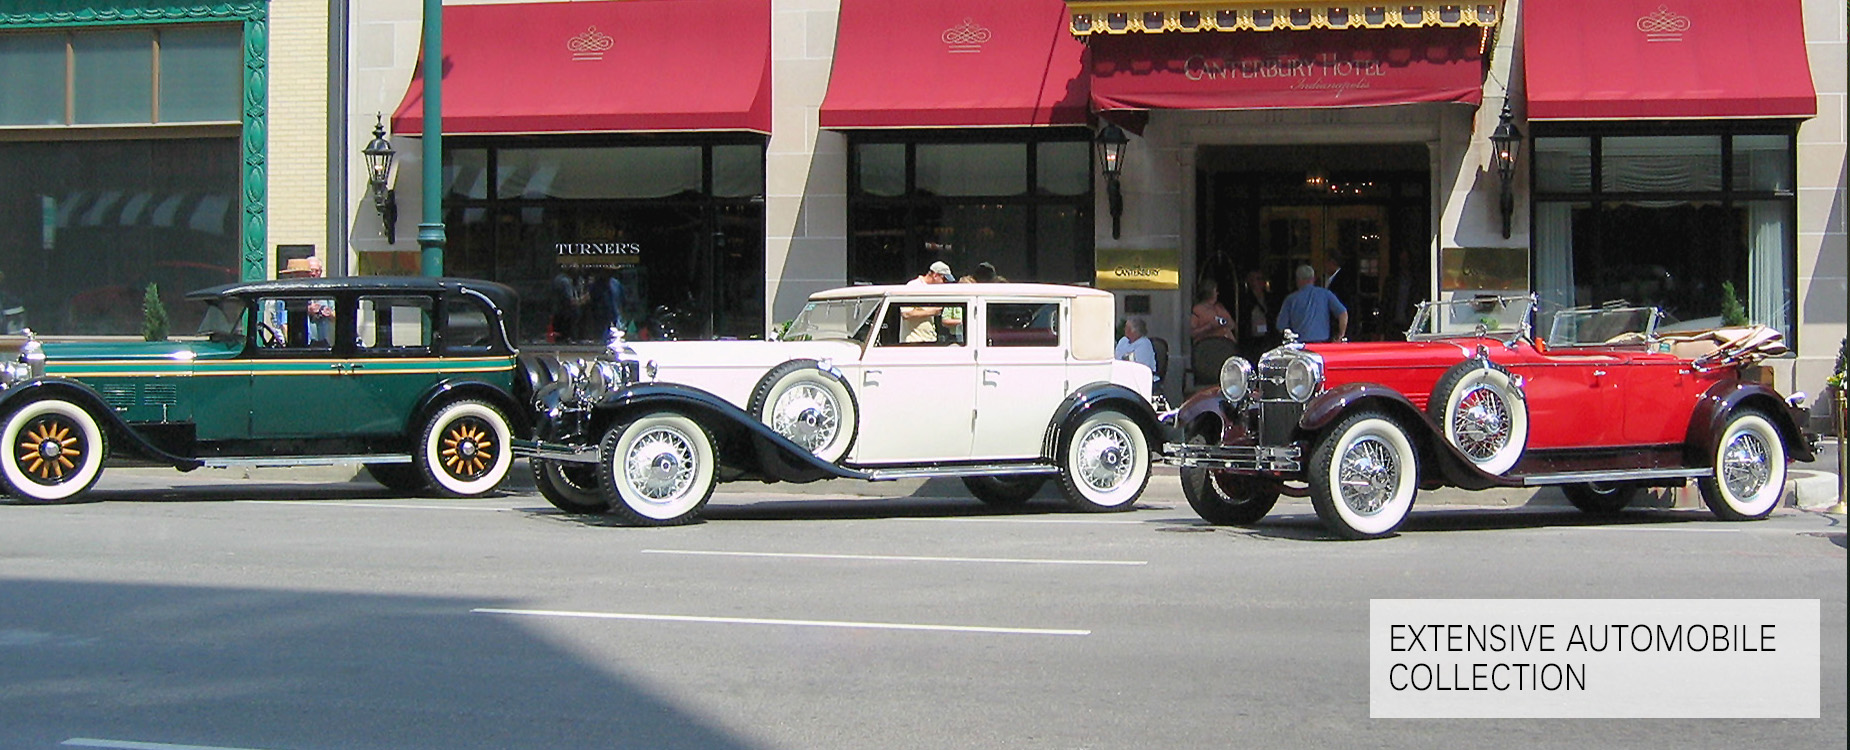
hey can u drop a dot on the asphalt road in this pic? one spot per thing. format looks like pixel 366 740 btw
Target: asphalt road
pixel 284 615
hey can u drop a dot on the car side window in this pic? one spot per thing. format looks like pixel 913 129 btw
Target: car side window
pixel 394 326
pixel 296 323
pixel 935 324
pixel 468 326
pixel 1022 324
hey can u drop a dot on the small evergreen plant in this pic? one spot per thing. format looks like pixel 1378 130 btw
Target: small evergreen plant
pixel 1733 314
pixel 153 315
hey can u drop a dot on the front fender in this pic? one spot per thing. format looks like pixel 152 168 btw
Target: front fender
pixel 776 456
pixel 84 396
pixel 1720 402
pixel 1094 397
pixel 520 415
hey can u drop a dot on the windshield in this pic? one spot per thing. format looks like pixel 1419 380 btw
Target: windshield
pixel 834 319
pixel 223 321
pixel 1486 315
pixel 1603 326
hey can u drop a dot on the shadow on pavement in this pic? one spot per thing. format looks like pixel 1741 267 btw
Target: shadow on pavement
pixel 1307 527
pixel 300 669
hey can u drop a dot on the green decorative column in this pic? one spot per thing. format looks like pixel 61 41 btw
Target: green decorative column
pixel 430 231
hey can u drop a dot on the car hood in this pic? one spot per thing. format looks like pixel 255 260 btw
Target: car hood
pixel 1388 354
pixel 170 351
pixel 756 354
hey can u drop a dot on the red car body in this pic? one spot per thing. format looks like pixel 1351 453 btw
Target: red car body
pixel 1482 409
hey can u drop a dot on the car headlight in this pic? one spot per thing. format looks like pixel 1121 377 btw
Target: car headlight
pixel 1236 377
pixel 13 372
pixel 1302 376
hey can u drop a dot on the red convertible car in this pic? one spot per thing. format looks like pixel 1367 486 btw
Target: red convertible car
pixel 1605 405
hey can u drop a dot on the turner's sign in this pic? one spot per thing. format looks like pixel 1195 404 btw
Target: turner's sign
pixel 597 253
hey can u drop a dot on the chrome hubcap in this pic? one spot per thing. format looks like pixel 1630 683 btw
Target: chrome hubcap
pixel 1368 475
pixel 808 415
pixel 1482 423
pixel 660 464
pixel 1744 465
pixel 1104 458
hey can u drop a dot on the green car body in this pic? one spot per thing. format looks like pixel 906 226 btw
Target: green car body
pixel 414 377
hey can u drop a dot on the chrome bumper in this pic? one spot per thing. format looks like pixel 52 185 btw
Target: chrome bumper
pixel 1255 458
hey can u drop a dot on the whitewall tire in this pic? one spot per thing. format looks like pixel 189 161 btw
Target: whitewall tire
pixel 1750 469
pixel 54 451
pixel 1106 462
pixel 1363 476
pixel 1483 413
pixel 464 450
pixel 657 470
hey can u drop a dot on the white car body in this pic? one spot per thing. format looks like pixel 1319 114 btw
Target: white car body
pixel 931 403
pixel 1004 386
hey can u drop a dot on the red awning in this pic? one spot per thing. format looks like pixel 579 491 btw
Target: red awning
pixel 634 66
pixel 1649 59
pixel 1287 69
pixel 952 63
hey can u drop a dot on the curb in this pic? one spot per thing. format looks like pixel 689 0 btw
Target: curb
pixel 1812 490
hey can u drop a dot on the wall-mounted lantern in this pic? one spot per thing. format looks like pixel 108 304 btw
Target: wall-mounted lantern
pixel 1111 144
pixel 379 155
pixel 1506 141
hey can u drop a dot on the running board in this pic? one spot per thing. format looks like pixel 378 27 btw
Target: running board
pixel 1625 475
pixel 967 470
pixel 284 461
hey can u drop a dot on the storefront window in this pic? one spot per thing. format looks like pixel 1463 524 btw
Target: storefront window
pixel 662 241
pixel 1018 200
pixel 86 226
pixel 166 74
pixel 1668 224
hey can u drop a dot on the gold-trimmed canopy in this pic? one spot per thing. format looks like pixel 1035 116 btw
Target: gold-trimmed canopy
pixel 1158 16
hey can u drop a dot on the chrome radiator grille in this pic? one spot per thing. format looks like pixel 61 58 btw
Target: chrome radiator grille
pixel 1278 414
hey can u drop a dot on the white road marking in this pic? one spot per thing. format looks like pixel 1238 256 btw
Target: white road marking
pixel 791 623
pixel 999 519
pixel 895 558
pixel 130 745
pixel 335 504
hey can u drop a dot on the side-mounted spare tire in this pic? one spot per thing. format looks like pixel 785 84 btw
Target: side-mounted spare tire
pixel 1483 414
pixel 811 406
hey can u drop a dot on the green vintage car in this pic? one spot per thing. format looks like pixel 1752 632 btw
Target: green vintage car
pixel 412 377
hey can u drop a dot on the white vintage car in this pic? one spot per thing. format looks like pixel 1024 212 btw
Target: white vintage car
pixel 1002 385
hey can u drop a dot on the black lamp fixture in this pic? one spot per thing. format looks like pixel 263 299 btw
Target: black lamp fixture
pixel 1111 142
pixel 1506 141
pixel 379 156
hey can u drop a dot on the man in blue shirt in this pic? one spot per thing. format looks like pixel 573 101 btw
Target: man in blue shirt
pixel 1309 311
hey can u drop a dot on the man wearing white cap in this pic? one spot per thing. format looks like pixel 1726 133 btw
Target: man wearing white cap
pixel 919 326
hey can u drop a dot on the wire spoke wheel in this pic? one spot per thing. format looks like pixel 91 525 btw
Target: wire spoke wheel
pixel 1370 474
pixel 807 414
pixel 1744 464
pixel 1104 455
pixel 660 464
pixel 1481 423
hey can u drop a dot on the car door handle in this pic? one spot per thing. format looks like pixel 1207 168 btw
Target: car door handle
pixel 1599 373
pixel 870 377
pixel 355 366
pixel 992 377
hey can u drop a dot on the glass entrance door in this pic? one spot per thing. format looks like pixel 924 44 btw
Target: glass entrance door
pixel 1350 240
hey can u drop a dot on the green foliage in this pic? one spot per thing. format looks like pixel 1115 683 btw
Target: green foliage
pixel 1836 380
pixel 782 328
pixel 1733 313
pixel 153 315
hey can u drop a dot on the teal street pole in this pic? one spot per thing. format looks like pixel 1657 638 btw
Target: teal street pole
pixel 430 230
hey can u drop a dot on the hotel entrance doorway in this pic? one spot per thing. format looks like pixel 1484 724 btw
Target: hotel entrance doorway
pixel 1360 212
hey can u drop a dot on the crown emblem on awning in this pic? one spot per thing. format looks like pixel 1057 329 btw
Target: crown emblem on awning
pixel 1663 25
pixel 590 45
pixel 966 37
